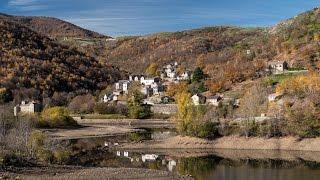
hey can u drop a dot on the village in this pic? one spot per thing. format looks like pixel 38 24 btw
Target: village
pixel 154 91
pixel 154 88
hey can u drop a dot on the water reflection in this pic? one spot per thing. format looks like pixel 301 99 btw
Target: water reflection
pixel 201 164
pixel 210 166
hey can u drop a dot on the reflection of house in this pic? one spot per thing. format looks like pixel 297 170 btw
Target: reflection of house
pixel 171 165
pixel 28 107
pixel 214 100
pixel 149 157
pixel 198 99
pixel 278 67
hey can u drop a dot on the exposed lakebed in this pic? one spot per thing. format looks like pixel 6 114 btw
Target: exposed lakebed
pixel 195 163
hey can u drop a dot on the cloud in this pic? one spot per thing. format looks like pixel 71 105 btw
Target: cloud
pixel 27 5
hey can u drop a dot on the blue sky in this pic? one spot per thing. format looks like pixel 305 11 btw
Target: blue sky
pixel 138 17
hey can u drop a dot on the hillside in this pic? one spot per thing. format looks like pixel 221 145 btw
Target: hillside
pixel 222 51
pixel 53 27
pixel 29 60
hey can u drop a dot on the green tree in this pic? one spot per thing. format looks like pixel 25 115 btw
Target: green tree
pixel 136 108
pixel 198 75
pixel 190 119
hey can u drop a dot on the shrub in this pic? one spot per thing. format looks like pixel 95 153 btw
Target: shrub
pixel 61 157
pixel 56 117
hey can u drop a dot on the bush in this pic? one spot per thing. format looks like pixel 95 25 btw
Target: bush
pixel 207 130
pixel 61 157
pixel 56 117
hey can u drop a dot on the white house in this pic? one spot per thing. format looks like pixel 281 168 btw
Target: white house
pixel 123 85
pixel 184 76
pixel 198 99
pixel 149 157
pixel 149 81
pixel 28 107
pixel 214 100
pixel 106 98
pixel 172 74
pixel 277 67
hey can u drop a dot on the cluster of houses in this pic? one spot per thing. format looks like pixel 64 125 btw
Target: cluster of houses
pixel 152 87
pixel 170 73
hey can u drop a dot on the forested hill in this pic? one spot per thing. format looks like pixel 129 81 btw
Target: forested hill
pixel 227 54
pixel 295 40
pixel 52 27
pixel 30 60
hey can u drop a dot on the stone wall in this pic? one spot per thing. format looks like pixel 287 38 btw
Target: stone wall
pixel 164 108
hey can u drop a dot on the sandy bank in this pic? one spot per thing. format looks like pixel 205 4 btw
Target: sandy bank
pixel 232 142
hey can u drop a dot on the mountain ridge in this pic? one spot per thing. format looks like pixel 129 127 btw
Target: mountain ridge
pixel 53 27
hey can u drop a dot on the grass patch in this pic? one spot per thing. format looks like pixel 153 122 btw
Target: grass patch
pixel 278 78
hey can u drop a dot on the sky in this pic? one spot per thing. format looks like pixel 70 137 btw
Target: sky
pixel 141 17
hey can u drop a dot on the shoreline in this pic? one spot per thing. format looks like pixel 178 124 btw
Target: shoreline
pixel 231 142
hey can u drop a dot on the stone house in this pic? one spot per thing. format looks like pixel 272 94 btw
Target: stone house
pixel 198 99
pixel 214 100
pixel 277 67
pixel 28 107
